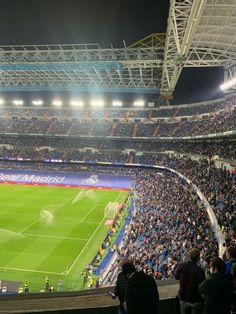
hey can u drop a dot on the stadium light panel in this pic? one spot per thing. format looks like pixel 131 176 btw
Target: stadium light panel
pixel 77 103
pixel 57 103
pixel 97 103
pixel 38 102
pixel 228 85
pixel 1 101
pixel 18 102
pixel 117 103
pixel 139 103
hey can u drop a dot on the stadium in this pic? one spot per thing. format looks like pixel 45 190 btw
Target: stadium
pixel 98 163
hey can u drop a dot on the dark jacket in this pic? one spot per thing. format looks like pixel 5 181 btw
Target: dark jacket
pixel 120 287
pixel 190 275
pixel 218 293
pixel 142 294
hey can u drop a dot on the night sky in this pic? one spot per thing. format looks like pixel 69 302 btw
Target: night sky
pixel 100 21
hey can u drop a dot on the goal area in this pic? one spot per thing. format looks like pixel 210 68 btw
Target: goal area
pixel 111 210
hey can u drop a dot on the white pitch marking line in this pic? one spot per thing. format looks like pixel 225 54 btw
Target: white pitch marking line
pixel 85 246
pixel 76 197
pixel 33 223
pixel 118 196
pixel 88 241
pixel 29 270
pixel 54 237
pixel 82 220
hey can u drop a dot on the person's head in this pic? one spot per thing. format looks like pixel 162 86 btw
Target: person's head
pixel 194 255
pixel 231 252
pixel 128 268
pixel 207 261
pixel 217 265
pixel 123 261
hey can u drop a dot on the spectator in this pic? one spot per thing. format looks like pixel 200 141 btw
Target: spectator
pixel 190 275
pixel 231 255
pixel 120 287
pixel 141 293
pixel 207 266
pixel 218 289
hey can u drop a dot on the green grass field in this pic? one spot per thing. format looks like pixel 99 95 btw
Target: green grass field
pixel 51 231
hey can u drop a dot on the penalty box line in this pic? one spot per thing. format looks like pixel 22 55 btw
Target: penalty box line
pixel 68 271
pixel 90 211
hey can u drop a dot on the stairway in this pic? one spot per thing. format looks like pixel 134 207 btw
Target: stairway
pixel 114 125
pixel 156 130
pixel 135 130
pixel 50 126
pixel 175 113
pixel 131 157
pixel 150 114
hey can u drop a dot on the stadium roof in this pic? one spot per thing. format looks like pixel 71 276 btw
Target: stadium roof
pixel 200 33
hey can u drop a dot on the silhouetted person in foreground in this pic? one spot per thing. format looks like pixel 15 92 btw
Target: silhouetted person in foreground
pixel 218 289
pixel 190 275
pixel 142 295
pixel 120 288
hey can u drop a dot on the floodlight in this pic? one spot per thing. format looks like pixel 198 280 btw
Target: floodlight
pixel 228 85
pixel 57 102
pixel 139 103
pixel 37 102
pixel 18 102
pixel 97 103
pixel 1 101
pixel 77 103
pixel 116 103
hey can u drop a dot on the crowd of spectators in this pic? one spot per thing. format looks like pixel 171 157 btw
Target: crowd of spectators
pixel 216 123
pixel 225 149
pixel 219 186
pixel 123 129
pixel 169 220
pixel 69 148
pixel 121 122
pixel 199 109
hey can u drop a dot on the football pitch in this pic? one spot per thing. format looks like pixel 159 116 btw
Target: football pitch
pixel 51 232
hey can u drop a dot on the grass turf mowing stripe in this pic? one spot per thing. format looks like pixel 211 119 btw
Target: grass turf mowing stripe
pixel 54 237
